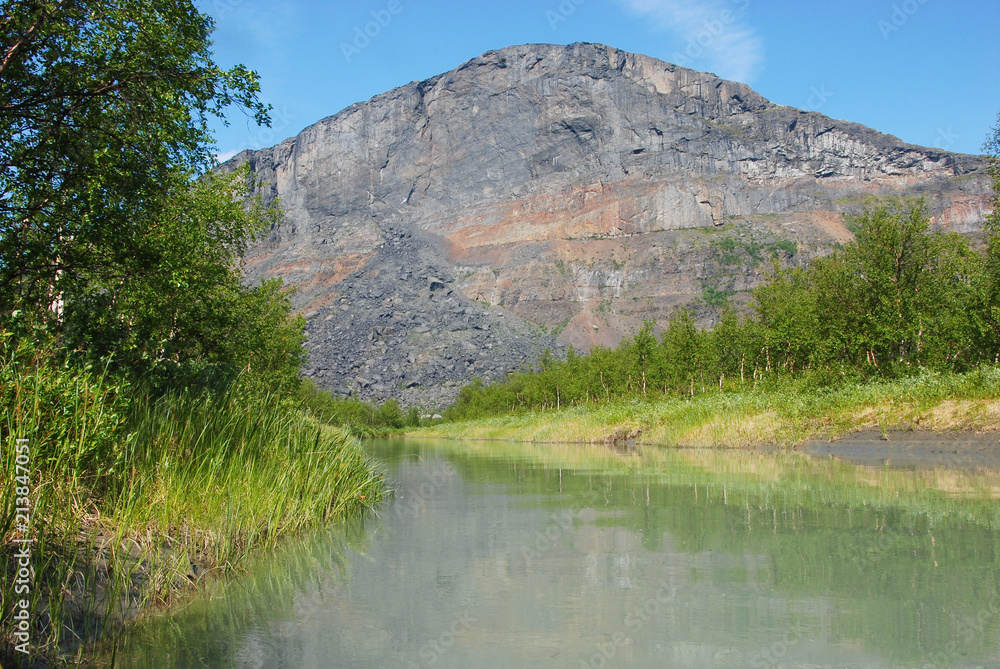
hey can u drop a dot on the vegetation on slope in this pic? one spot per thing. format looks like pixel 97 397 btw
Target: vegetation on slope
pixel 362 419
pixel 134 495
pixel 903 299
pixel 899 328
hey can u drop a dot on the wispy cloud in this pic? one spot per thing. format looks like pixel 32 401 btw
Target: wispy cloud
pixel 710 34
pixel 226 155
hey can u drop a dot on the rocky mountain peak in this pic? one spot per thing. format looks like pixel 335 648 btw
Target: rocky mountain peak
pixel 543 195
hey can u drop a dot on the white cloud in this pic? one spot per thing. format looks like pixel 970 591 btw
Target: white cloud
pixel 226 155
pixel 710 35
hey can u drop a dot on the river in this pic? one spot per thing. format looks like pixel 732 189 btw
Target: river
pixel 501 555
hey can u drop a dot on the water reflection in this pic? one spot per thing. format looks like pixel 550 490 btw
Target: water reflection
pixel 528 556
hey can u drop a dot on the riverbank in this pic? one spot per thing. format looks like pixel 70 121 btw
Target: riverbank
pixel 787 416
pixel 131 502
pixel 490 532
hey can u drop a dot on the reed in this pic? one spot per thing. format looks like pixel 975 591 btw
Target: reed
pixel 136 498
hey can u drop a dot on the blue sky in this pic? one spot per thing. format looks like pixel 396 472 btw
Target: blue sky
pixel 927 71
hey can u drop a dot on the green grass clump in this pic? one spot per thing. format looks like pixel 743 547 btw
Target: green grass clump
pixel 243 468
pixel 135 496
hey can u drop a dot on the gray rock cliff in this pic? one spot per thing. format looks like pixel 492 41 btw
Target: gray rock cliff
pixel 543 195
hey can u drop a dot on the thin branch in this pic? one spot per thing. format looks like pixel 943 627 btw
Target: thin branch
pixel 33 30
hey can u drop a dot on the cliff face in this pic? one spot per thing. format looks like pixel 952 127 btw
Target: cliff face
pixel 454 227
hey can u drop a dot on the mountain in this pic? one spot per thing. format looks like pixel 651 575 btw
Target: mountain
pixel 544 195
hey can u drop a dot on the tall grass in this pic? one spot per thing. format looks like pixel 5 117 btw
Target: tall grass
pixel 136 497
pixel 785 413
pixel 233 472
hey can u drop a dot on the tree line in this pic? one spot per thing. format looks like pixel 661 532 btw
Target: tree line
pixel 364 418
pixel 902 297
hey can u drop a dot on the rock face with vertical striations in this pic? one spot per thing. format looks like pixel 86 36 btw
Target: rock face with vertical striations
pixel 545 195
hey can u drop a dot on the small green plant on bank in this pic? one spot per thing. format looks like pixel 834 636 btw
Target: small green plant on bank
pixel 715 297
pixel 735 252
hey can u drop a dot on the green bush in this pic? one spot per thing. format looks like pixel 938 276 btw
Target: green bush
pixel 363 418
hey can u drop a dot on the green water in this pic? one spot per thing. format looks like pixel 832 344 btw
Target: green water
pixel 504 556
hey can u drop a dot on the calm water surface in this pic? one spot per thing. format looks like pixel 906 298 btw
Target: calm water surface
pixel 511 556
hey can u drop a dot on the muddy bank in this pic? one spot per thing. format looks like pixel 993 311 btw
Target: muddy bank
pixel 913 449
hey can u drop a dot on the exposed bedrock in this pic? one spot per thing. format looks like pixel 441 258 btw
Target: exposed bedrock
pixel 545 195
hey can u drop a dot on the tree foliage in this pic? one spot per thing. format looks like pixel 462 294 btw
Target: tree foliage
pixel 178 311
pixel 104 111
pixel 901 298
pixel 992 230
pixel 106 236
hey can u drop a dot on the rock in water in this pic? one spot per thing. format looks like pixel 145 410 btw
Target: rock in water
pixel 559 195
